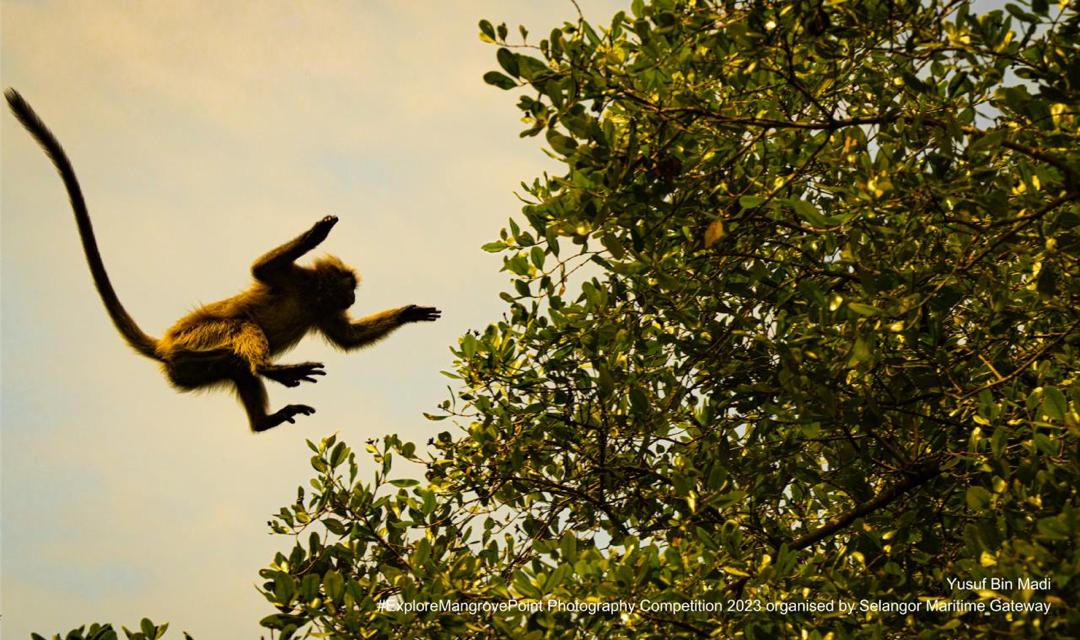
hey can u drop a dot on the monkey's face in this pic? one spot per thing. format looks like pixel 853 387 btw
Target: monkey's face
pixel 346 297
pixel 335 284
pixel 338 289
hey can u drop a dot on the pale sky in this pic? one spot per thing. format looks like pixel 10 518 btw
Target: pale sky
pixel 205 133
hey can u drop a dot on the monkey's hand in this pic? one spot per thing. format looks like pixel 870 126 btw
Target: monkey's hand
pixel 321 229
pixel 291 375
pixel 414 313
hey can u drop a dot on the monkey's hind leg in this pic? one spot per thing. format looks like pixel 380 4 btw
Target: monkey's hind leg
pixel 249 343
pixel 253 394
pixel 199 369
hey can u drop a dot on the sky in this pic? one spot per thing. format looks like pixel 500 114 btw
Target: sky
pixel 205 134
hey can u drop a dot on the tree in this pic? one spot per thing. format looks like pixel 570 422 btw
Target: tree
pixel 796 324
pixel 147 631
pixel 825 346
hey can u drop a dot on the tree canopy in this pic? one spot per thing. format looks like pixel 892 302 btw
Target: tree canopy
pixel 796 321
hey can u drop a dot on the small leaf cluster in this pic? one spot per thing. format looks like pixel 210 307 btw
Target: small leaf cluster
pixel 147 631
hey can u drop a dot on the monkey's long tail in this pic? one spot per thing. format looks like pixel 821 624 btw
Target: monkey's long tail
pixel 141 342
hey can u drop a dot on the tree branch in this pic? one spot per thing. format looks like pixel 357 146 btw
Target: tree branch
pixel 915 478
pixel 833 124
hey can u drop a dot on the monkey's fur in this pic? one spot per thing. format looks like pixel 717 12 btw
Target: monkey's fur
pixel 234 341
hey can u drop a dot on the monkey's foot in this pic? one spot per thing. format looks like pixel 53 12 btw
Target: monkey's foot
pixel 285 414
pixel 415 313
pixel 291 375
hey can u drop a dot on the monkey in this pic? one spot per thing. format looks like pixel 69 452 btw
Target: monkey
pixel 234 341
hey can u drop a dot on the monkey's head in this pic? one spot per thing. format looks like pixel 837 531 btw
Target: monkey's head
pixel 334 284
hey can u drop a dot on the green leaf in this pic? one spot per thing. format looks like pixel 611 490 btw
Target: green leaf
pixel 1020 14
pixel 860 352
pixel 912 81
pixel 530 68
pixel 728 499
pixel 1044 444
pixel 1054 528
pixel 524 586
pixel 339 454
pixel 988 142
pixel 568 547
pixel 499 80
pixel 428 502
pixel 422 552
pixel 1016 98
pixel 284 588
pixel 508 61
pixel 808 212
pixel 563 145
pixel 614 245
pixel 333 585
pixel 1054 404
pixel 335 526
pixel 998 442
pixel 864 309
pixel 487 30
pixel 638 400
pixel 468 345
pixel 978 498
pixel 518 265
pixel 557 577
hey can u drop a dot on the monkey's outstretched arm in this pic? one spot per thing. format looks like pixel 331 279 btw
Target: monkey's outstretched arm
pixel 348 335
pixel 270 267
